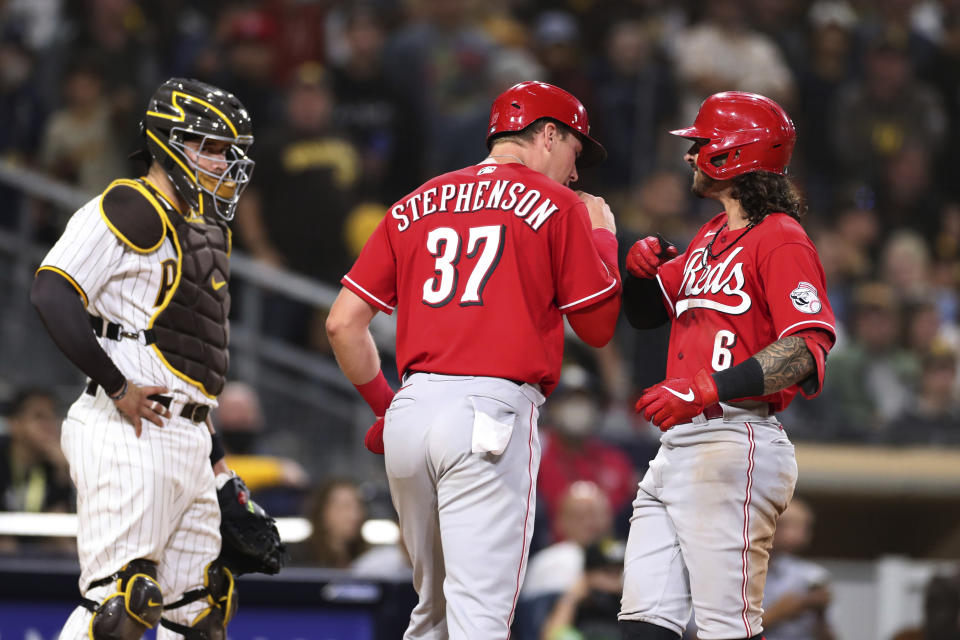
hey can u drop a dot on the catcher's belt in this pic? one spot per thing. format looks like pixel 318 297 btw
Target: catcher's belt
pixel 190 410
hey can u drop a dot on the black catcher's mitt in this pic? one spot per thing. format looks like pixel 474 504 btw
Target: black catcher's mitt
pixel 251 542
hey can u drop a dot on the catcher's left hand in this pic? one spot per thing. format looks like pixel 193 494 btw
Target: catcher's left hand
pixel 250 540
pixel 677 400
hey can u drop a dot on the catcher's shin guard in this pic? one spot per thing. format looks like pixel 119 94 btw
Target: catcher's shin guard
pixel 134 607
pixel 221 595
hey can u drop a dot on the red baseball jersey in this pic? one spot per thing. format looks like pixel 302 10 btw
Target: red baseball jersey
pixel 733 293
pixel 481 264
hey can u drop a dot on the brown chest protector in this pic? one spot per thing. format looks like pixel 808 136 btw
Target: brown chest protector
pixel 192 330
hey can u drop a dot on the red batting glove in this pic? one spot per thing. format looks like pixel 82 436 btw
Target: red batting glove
pixel 373 441
pixel 646 256
pixel 677 400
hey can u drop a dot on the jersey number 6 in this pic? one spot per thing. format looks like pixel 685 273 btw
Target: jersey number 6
pixel 443 243
pixel 722 356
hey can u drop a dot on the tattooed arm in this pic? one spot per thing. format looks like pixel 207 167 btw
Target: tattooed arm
pixel 786 362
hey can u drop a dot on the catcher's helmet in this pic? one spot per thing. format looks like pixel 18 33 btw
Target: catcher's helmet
pixel 523 104
pixel 183 110
pixel 751 131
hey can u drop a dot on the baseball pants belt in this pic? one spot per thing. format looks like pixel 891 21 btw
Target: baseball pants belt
pixel 519 383
pixel 713 411
pixel 734 412
pixel 191 410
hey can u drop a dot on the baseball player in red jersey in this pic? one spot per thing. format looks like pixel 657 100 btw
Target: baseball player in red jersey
pixel 751 328
pixel 481 265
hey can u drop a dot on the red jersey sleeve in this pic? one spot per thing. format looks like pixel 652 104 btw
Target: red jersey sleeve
pixel 580 275
pixel 796 287
pixel 670 277
pixel 373 276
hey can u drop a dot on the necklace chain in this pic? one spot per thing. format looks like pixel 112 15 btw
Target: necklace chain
pixel 710 255
pixel 508 155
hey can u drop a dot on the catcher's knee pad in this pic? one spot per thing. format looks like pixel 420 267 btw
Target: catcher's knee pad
pixel 134 607
pixel 220 594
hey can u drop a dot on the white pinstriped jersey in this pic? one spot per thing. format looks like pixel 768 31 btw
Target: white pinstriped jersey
pixel 121 285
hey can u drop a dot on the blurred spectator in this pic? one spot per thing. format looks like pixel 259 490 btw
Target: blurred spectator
pixel 906 198
pixel 905 264
pixel 858 229
pixel 893 20
pixel 240 422
pixel 842 266
pixel 296 208
pixel 246 65
pixel 34 475
pixel 441 61
pixel 300 34
pixel 635 96
pixel 572 452
pixel 924 329
pixel 819 81
pixel 588 610
pixel 80 144
pixel 933 417
pixel 941 611
pixel 556 42
pixel 22 112
pixel 943 73
pixel 304 186
pixel 118 39
pixel 380 121
pixel 40 20
pixel 337 513
pixel 783 22
pixel 583 520
pixel 722 53
pixel 584 517
pixel 797 595
pixel 888 109
pixel 871 377
pixel 657 204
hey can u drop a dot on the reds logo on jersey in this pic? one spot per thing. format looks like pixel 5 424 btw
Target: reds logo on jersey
pixel 805 298
pixel 702 284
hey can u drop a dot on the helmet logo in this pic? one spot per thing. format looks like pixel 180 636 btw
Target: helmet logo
pixel 180 114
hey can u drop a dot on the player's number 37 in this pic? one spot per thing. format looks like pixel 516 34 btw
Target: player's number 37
pixel 446 245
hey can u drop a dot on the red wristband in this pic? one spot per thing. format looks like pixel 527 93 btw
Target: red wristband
pixel 377 393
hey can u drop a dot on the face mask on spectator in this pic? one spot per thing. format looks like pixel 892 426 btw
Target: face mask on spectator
pixel 239 442
pixel 577 417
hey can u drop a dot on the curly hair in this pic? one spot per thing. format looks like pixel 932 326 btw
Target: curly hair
pixel 763 192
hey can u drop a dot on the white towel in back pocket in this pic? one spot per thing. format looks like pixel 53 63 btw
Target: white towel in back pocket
pixel 492 425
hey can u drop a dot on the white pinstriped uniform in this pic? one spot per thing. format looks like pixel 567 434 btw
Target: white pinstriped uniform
pixel 152 497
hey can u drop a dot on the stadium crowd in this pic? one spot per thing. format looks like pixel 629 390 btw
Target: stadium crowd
pixel 354 103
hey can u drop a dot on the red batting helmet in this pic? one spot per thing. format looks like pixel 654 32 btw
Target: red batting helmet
pixel 523 104
pixel 751 131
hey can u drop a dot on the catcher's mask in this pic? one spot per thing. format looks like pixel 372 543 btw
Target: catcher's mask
pixel 741 132
pixel 184 110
